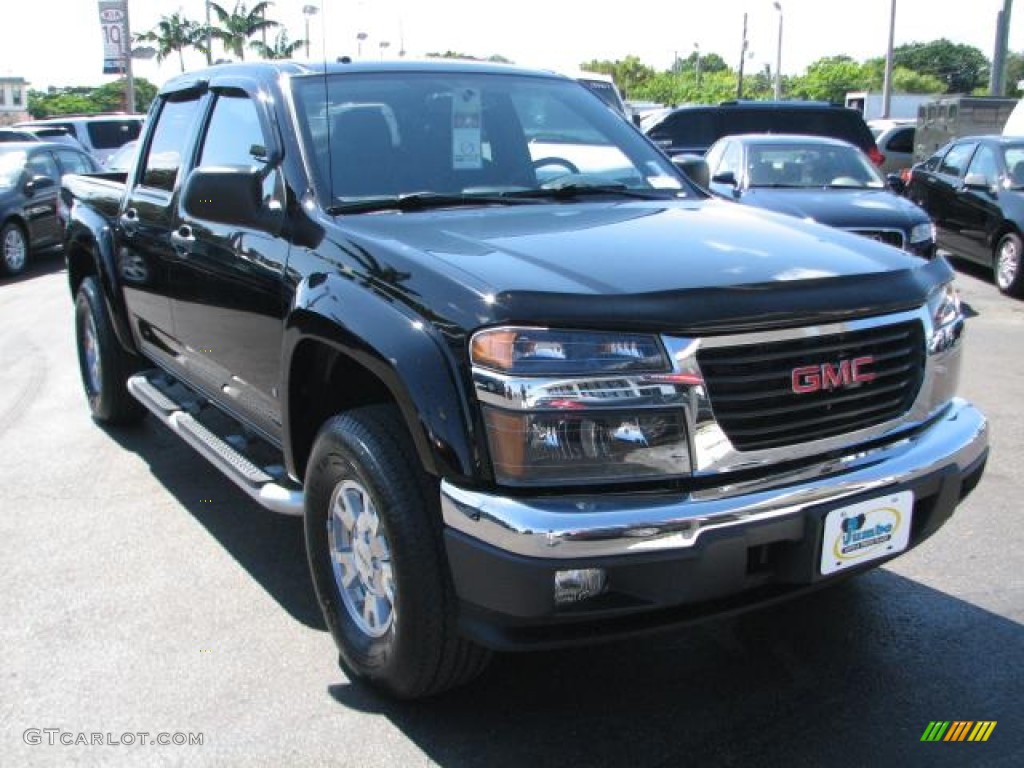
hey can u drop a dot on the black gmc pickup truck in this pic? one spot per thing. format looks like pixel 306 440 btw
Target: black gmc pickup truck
pixel 527 384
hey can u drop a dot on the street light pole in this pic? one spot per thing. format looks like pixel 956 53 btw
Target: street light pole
pixel 126 57
pixel 696 64
pixel 778 56
pixel 743 58
pixel 307 11
pixel 887 80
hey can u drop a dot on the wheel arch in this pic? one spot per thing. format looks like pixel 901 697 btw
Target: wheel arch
pixel 88 254
pixel 372 354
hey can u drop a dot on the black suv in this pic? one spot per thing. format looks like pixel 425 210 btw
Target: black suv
pixel 692 129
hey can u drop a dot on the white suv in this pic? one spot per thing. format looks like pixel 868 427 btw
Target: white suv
pixel 101 135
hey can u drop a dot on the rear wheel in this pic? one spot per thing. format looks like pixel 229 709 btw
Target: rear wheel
pixel 377 558
pixel 104 364
pixel 1008 269
pixel 13 248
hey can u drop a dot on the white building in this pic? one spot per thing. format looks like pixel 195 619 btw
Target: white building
pixel 13 99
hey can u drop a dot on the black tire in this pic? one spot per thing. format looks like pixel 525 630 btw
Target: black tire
pixel 14 249
pixel 1008 265
pixel 364 457
pixel 104 364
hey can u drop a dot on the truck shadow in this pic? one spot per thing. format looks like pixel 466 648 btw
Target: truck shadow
pixel 850 676
pixel 271 547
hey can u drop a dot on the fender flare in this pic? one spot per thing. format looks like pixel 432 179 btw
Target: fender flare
pixel 90 233
pixel 406 353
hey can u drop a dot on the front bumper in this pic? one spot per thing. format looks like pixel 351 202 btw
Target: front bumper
pixel 670 558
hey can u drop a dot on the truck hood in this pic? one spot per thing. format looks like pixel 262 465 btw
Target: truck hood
pixel 690 263
pixel 854 208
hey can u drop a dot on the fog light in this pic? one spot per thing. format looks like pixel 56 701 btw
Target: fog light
pixel 578 584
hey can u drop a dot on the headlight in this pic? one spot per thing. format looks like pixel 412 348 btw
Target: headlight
pixel 544 352
pixel 575 407
pixel 947 319
pixel 922 232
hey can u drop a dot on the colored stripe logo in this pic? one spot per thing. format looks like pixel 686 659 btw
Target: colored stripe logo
pixel 959 730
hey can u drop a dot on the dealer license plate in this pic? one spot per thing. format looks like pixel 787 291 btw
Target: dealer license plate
pixel 866 531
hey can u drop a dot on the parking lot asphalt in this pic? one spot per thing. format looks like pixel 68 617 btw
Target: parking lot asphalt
pixel 144 594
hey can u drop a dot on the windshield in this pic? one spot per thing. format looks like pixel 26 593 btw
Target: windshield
pixel 12 165
pixel 810 165
pixel 387 135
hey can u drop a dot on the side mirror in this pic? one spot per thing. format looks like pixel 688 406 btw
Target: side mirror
pixel 695 167
pixel 726 177
pixel 896 183
pixel 228 195
pixel 38 183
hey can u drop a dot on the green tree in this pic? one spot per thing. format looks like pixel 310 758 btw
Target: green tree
pixel 234 29
pixel 88 100
pixel 629 73
pixel 829 79
pixel 172 34
pixel 962 68
pixel 1014 73
pixel 281 48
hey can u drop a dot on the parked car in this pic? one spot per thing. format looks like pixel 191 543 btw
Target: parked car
pixel 895 140
pixel 30 173
pixel 973 188
pixel 693 129
pixel 826 180
pixel 100 135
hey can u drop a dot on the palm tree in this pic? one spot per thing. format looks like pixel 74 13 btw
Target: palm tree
pixel 172 34
pixel 281 48
pixel 237 27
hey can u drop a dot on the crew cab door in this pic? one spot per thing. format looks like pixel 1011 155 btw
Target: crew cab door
pixel 145 256
pixel 228 303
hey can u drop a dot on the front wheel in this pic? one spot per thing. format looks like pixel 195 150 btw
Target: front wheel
pixel 377 558
pixel 13 249
pixel 1008 268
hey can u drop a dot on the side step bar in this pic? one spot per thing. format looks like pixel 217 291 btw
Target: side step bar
pixel 257 484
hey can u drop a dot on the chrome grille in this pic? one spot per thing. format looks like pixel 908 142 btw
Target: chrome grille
pixel 750 386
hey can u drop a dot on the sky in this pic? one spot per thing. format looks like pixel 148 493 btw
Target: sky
pixel 59 42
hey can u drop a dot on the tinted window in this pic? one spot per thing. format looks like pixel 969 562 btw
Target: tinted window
pixel 955 161
pixel 985 163
pixel 902 140
pixel 42 164
pixel 73 162
pixel 233 136
pixel 111 134
pixel 688 128
pixel 169 136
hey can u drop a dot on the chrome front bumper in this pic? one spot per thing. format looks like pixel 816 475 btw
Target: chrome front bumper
pixel 607 525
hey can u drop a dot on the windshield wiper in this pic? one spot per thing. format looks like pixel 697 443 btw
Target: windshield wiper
pixel 420 201
pixel 574 189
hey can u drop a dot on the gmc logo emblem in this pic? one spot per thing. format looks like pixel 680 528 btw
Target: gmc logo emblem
pixel 815 378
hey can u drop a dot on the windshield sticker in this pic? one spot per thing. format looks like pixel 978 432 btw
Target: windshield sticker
pixel 466 114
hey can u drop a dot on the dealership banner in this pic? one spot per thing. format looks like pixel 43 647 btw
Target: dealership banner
pixel 114 23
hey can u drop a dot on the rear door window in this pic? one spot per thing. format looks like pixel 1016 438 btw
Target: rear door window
pixel 955 161
pixel 902 140
pixel 73 162
pixel 170 135
pixel 111 134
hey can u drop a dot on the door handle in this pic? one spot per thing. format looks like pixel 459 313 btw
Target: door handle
pixel 183 240
pixel 129 221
